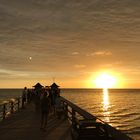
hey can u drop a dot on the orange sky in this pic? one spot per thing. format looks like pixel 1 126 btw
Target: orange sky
pixel 70 42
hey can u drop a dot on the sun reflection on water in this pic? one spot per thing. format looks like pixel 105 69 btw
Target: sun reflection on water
pixel 106 104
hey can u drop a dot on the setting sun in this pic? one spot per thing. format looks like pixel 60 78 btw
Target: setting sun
pixel 105 80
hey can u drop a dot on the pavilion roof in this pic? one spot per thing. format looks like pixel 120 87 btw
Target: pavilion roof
pixel 38 85
pixel 54 85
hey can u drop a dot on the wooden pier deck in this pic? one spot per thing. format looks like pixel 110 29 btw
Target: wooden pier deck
pixel 26 126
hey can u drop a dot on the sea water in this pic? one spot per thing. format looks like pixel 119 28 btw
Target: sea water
pixel 7 94
pixel 119 108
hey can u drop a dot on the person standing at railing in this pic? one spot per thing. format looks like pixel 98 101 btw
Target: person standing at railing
pixel 54 92
pixel 58 106
pixel 24 96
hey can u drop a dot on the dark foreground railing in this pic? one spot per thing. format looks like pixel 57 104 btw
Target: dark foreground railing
pixel 79 117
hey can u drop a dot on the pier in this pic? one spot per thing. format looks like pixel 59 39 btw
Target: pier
pixel 25 125
pixel 76 123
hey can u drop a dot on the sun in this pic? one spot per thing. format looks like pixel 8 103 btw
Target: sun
pixel 105 80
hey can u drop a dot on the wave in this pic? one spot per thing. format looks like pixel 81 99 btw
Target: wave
pixel 122 115
pixel 134 130
pixel 120 111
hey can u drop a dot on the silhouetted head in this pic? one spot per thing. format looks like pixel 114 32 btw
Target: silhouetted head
pixel 45 94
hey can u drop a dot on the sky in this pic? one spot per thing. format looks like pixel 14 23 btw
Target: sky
pixel 69 42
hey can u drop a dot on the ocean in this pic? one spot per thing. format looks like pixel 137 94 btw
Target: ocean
pixel 118 107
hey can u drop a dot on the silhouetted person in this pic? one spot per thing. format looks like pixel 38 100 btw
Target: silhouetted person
pixel 45 107
pixel 58 106
pixel 24 95
pixel 54 93
pixel 28 96
pixel 52 101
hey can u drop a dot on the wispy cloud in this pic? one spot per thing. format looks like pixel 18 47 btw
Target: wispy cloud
pixel 103 53
pixel 75 53
pixel 79 66
pixel 100 53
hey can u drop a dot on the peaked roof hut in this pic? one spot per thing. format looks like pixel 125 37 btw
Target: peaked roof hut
pixel 54 86
pixel 38 86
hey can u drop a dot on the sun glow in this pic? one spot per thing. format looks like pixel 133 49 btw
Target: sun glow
pixel 105 80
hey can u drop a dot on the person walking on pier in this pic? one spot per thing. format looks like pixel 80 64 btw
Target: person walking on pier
pixel 45 107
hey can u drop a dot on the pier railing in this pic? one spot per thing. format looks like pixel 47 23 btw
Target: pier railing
pixel 77 115
pixel 9 107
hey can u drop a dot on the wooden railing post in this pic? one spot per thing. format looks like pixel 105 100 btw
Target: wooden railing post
pixel 73 118
pixel 4 111
pixel 66 110
pixel 12 107
pixel 18 103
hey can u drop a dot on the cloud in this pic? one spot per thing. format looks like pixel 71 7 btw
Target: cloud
pixel 75 53
pixel 100 53
pixel 103 53
pixel 79 66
